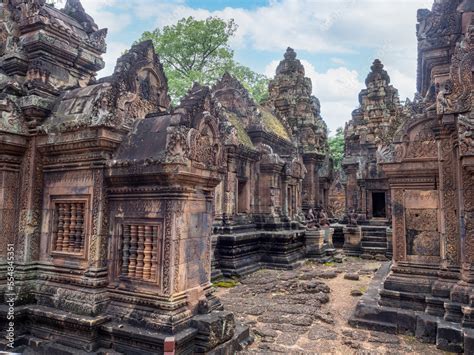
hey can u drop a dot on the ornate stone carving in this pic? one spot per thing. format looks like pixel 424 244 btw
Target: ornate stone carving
pixel 422 232
pixel 399 225
pixel 466 135
pixel 11 119
pixel 461 74
pixel 204 143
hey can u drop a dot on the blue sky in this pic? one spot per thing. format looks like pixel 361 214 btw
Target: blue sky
pixel 337 40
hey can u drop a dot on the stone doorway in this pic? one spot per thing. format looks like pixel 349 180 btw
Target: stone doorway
pixel 378 205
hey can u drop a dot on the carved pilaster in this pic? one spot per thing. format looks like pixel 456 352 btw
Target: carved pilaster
pixel 448 200
pixel 167 246
pixel 467 234
pixel 98 242
pixel 30 204
pixel 398 223
pixel 178 210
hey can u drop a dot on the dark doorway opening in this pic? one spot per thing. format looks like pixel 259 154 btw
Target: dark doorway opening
pixel 378 204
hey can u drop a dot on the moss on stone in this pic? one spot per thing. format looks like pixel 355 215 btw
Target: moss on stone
pixel 226 283
pixel 241 132
pixel 273 124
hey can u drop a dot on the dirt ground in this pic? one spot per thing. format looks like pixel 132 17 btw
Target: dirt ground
pixel 305 311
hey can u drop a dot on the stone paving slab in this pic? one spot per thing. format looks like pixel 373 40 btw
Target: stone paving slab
pixel 305 311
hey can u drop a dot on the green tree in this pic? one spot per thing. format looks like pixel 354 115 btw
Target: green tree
pixel 198 51
pixel 336 148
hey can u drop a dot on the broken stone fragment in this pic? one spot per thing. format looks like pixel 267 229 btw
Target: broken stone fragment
pixel 352 276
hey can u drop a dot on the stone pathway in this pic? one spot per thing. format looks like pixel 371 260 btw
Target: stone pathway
pixel 305 311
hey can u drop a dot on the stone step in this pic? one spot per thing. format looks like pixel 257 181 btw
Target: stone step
pixel 374 238
pixel 374 235
pixel 374 227
pixel 374 232
pixel 374 244
pixel 382 222
pixel 374 250
pixel 373 325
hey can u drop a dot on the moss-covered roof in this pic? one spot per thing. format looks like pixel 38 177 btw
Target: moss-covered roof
pixel 241 132
pixel 273 124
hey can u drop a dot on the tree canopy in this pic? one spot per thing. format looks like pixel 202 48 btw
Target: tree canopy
pixel 198 51
pixel 336 148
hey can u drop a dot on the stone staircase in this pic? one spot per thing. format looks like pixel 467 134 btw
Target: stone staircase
pixel 374 241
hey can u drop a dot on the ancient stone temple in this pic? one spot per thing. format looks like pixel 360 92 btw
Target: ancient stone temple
pixel 107 194
pixel 429 166
pixel 368 196
pixel 373 123
pixel 273 150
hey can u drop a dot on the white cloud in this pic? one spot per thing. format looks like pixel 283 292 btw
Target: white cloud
pixel 338 61
pixel 406 84
pixel 316 26
pixel 113 21
pixel 114 51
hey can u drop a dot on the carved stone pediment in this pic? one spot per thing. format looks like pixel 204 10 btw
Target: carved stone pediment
pixel 137 88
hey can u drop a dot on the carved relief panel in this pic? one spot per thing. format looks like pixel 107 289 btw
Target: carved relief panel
pixel 422 225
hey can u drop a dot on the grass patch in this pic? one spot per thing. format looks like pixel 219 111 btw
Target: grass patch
pixel 226 283
pixel 409 339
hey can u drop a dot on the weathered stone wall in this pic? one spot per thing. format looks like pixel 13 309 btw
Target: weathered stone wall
pixel 428 167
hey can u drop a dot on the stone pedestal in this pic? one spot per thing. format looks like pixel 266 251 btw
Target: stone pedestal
pixel 328 234
pixel 315 246
pixel 352 240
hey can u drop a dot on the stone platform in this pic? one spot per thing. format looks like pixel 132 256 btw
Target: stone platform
pixel 371 314
pixel 55 332
pixel 247 251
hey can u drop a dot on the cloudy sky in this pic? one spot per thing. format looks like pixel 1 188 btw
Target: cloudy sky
pixel 336 40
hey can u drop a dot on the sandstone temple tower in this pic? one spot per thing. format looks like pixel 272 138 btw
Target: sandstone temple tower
pixel 290 95
pixel 367 193
pixel 372 124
